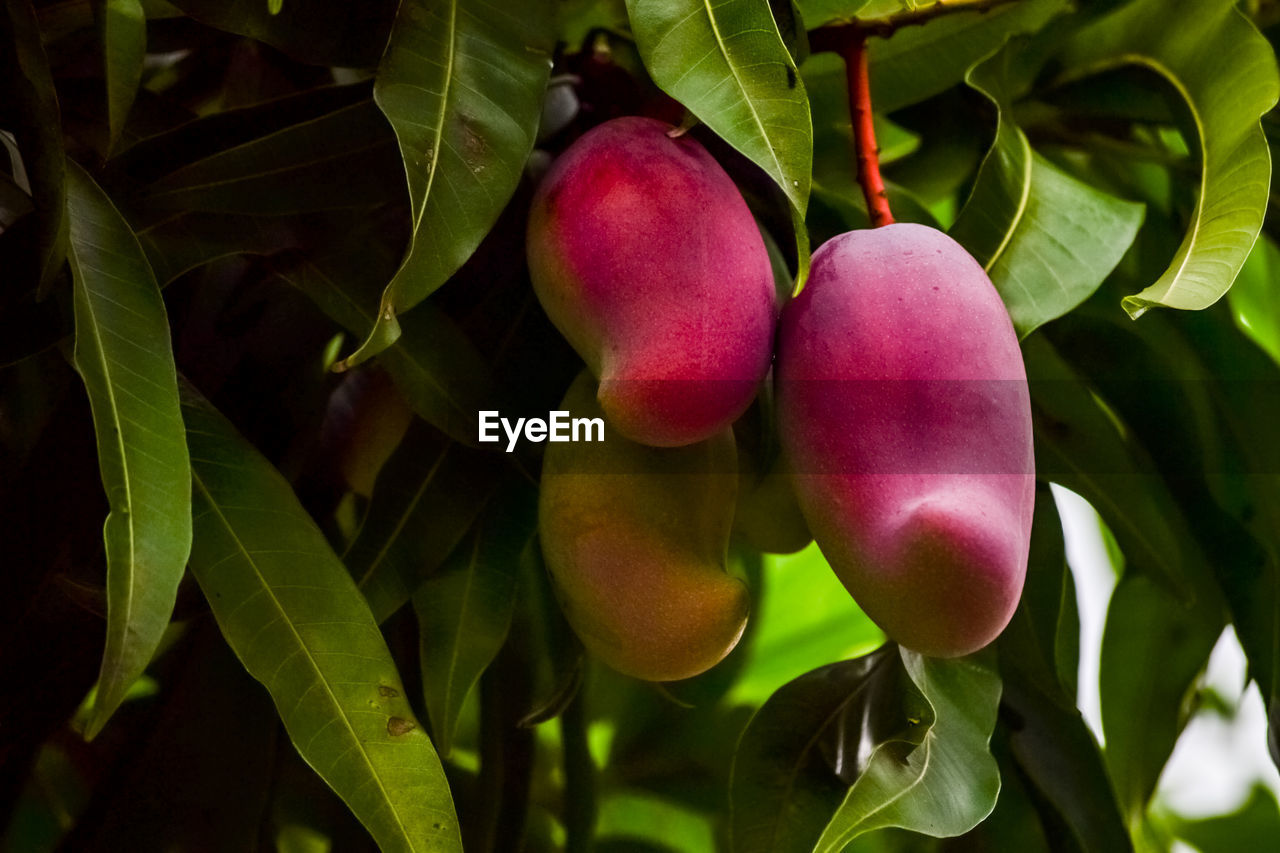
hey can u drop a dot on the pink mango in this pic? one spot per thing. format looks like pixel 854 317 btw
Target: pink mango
pixel 647 260
pixel 904 411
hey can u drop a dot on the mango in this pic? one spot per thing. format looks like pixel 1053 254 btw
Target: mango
pixel 372 417
pixel 635 539
pixel 905 415
pixel 646 258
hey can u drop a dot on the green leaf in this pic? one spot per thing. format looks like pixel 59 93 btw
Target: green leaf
pixel 187 241
pixel 1145 706
pixel 919 62
pixel 302 167
pixel 444 378
pixel 947 784
pixel 889 739
pixel 819 13
pixel 462 84
pixel 784 785
pixel 124 356
pixel 1254 826
pixel 1082 445
pixel 1046 239
pixel 464 610
pixel 805 619
pixel 295 619
pixel 726 62
pixel 1047 735
pixel 124 46
pixel 1254 299
pixel 26 85
pixel 429 494
pixel 1226 74
pixel 350 35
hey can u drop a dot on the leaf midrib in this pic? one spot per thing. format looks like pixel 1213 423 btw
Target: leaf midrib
pixel 129 516
pixel 751 108
pixel 248 557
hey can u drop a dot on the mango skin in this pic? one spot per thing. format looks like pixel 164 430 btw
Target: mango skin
pixel 646 258
pixel 920 492
pixel 635 539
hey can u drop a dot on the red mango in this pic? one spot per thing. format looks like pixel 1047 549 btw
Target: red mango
pixel 904 410
pixel 646 258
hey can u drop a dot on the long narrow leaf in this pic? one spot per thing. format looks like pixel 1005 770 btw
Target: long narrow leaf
pixel 124 46
pixel 462 83
pixel 124 355
pixel 294 617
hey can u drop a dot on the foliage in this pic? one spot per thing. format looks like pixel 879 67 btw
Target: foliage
pixel 209 210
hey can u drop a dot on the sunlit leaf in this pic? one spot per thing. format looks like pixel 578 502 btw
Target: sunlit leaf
pixel 727 63
pixel 462 83
pixel 947 784
pixel 464 610
pixel 1225 72
pixel 294 617
pixel 124 46
pixel 1255 300
pixel 889 739
pixel 1046 239
pixel 125 358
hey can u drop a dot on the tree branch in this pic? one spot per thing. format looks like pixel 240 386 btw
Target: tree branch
pixel 834 38
pixel 865 153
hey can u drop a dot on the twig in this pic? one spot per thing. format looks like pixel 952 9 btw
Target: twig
pixel 865 153
pixel 834 37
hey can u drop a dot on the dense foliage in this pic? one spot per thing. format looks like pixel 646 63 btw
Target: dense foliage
pixel 251 251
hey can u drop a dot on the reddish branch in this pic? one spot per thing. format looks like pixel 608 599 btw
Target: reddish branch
pixel 865 152
pixel 850 41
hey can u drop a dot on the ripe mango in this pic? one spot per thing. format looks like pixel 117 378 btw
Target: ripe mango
pixel 904 411
pixel 646 258
pixel 636 540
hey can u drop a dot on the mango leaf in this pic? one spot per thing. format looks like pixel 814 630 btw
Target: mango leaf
pixel 295 619
pixel 303 167
pixel 1226 74
pixel 462 84
pixel 919 62
pixel 728 65
pixel 184 242
pixel 889 739
pixel 1144 707
pixel 819 13
pixel 124 46
pixel 428 495
pixel 464 610
pixel 1046 239
pixel 1254 299
pixel 344 34
pixel 26 85
pixel 1047 735
pixel 434 364
pixel 946 785
pixel 124 355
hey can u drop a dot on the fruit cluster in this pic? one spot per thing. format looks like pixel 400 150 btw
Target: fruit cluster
pixel 899 395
